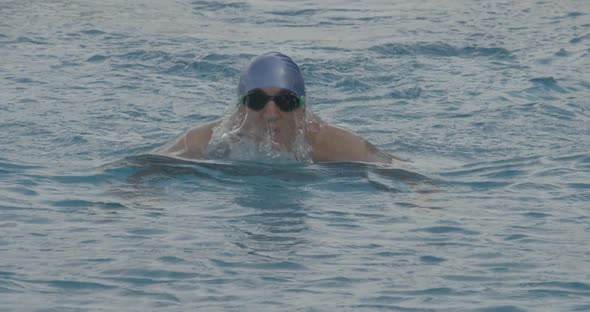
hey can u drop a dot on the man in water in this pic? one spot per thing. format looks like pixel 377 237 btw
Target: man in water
pixel 272 116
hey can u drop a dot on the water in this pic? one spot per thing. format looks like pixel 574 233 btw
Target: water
pixel 489 100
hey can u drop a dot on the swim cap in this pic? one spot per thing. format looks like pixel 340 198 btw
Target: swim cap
pixel 272 69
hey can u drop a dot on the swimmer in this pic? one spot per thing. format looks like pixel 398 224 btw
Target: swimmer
pixel 272 116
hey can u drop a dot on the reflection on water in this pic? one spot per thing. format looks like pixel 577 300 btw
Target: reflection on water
pixel 271 200
pixel 275 224
pixel 269 217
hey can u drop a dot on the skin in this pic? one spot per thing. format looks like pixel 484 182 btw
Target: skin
pixel 281 126
pixel 328 142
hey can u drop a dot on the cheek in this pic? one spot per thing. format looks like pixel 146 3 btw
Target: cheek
pixel 248 115
pixel 244 118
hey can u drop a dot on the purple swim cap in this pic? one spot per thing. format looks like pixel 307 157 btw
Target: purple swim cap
pixel 272 69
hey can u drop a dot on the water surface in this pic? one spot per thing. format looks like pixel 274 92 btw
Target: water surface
pixel 489 101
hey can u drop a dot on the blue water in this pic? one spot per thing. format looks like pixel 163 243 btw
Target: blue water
pixel 488 99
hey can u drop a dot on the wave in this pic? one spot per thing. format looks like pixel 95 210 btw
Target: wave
pixel 335 176
pixel 209 66
pixel 295 171
pixel 440 49
pixel 218 6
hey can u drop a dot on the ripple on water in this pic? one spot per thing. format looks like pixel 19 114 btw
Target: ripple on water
pixel 584 287
pixel 547 83
pixel 218 6
pixel 26 219
pixel 536 215
pixel 79 203
pixel 92 32
pixel 74 286
pixel 172 260
pixel 432 259
pixel 224 236
pixel 507 267
pixel 515 237
pixel 28 40
pixel 169 298
pixel 501 308
pixel 279 265
pixel 333 282
pixel 97 58
pixel 410 93
pixel 446 230
pixel 506 168
pixel 579 39
pixel 152 275
pixel 12 167
pixel 305 12
pixel 23 191
pixel 440 49
pixel 469 278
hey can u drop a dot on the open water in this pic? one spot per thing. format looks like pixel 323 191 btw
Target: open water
pixel 488 99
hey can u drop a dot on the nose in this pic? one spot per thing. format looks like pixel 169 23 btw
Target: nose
pixel 271 111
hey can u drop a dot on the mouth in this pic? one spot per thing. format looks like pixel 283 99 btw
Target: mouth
pixel 275 135
pixel 273 130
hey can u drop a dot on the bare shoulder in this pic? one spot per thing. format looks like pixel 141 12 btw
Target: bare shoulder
pixel 192 144
pixel 332 143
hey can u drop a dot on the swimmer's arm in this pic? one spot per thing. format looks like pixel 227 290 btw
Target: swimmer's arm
pixel 336 144
pixel 191 145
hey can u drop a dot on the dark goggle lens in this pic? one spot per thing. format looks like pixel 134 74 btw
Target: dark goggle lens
pixel 256 101
pixel 286 102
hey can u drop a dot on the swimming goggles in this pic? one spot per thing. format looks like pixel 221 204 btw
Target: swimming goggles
pixel 286 101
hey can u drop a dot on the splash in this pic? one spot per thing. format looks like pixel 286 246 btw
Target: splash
pixel 243 135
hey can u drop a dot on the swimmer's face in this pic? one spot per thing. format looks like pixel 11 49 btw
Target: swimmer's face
pixel 271 122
